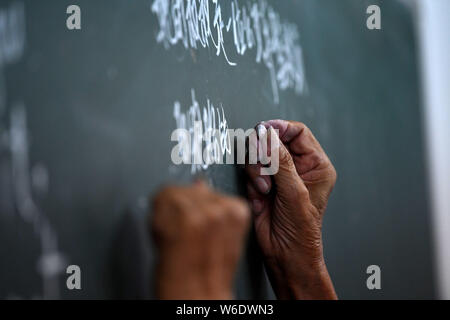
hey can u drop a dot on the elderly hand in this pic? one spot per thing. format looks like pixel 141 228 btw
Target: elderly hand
pixel 289 208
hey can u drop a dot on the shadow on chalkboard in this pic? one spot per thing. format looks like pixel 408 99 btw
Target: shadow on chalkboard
pixel 131 259
pixel 253 266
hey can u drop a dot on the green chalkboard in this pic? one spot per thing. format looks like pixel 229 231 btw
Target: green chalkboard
pixel 86 118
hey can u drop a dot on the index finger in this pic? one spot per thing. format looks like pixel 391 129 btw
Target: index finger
pixel 296 136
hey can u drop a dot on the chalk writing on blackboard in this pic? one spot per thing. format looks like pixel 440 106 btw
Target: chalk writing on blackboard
pixel 27 180
pixel 206 126
pixel 12 41
pixel 51 262
pixel 12 33
pixel 253 26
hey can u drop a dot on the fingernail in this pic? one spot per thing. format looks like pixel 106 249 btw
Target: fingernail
pixel 261 130
pixel 257 206
pixel 262 185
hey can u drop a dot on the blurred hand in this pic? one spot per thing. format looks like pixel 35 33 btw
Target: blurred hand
pixel 200 235
pixel 289 209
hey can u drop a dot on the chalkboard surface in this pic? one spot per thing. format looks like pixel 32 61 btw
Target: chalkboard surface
pixel 86 118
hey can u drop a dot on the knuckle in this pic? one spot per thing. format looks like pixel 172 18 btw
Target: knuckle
pixel 301 125
pixel 318 159
pixel 306 130
pixel 333 174
pixel 331 170
pixel 309 137
pixel 300 191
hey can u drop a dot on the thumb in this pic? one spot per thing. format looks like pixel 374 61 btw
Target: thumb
pixel 286 178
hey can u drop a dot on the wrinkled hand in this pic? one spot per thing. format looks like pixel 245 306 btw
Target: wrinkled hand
pixel 289 209
pixel 200 235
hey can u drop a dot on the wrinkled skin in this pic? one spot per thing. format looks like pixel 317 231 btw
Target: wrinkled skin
pixel 288 211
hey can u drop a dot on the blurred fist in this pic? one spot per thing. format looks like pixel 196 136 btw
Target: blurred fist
pixel 200 235
pixel 289 209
